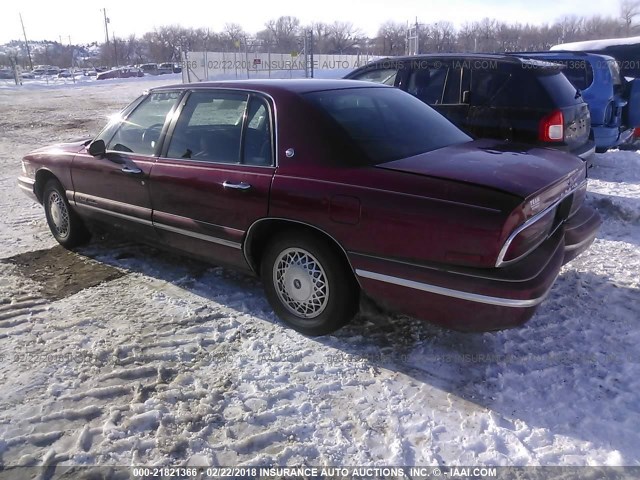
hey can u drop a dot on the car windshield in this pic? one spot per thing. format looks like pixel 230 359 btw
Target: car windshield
pixel 387 123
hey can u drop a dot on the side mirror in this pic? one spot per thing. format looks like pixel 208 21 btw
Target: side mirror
pixel 466 97
pixel 97 148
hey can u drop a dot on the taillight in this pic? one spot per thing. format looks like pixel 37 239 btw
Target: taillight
pixel 527 237
pixel 636 133
pixel 552 127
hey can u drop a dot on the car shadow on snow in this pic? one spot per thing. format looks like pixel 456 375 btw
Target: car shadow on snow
pixel 573 370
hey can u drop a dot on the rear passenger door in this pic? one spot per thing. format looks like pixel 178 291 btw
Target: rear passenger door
pixel 213 178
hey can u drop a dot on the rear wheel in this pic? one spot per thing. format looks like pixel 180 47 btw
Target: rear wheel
pixel 308 284
pixel 65 225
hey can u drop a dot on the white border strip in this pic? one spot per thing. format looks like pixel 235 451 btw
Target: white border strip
pixel 472 297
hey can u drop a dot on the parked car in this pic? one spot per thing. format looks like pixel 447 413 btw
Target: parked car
pixel 607 93
pixel 122 72
pixel 6 73
pixel 626 51
pixel 357 188
pixel 65 73
pixel 149 68
pixel 40 70
pixel 165 68
pixel 494 96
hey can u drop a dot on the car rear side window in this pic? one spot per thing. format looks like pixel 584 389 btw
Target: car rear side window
pixel 141 130
pixel 210 127
pixel 214 124
pixel 427 84
pixel 579 73
pixel 614 69
pixel 452 88
pixel 386 123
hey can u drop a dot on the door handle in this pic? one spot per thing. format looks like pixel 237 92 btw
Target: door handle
pixel 236 186
pixel 133 170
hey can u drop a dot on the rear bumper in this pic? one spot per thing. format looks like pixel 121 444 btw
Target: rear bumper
pixel 27 185
pixel 463 298
pixel 606 137
pixel 470 299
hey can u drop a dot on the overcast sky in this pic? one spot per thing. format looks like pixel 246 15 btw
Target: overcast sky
pixel 82 19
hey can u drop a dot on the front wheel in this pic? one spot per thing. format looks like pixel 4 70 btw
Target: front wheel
pixel 64 223
pixel 308 284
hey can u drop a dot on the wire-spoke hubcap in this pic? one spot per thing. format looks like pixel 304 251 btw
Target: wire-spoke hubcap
pixel 301 283
pixel 59 214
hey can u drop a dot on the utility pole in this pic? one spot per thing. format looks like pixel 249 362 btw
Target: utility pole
pixel 311 48
pixel 106 32
pixel 26 43
pixel 115 48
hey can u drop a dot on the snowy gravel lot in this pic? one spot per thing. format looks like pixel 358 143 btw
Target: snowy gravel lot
pixel 169 361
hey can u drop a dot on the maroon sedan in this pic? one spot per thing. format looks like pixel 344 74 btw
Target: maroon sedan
pixel 326 190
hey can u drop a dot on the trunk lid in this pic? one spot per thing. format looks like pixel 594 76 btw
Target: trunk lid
pixel 520 170
pixel 577 125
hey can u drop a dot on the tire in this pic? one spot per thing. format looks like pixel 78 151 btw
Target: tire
pixel 65 225
pixel 290 285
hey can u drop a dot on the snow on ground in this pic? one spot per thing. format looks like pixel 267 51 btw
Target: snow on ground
pixel 124 355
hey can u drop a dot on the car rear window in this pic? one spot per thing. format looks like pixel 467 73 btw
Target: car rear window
pixel 387 123
pixel 561 91
pixel 522 90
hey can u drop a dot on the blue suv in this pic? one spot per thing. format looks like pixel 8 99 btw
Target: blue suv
pixel 614 102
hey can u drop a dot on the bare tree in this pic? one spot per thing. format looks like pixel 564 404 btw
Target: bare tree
pixel 392 38
pixel 438 37
pixel 602 27
pixel 570 28
pixel 283 33
pixel 629 9
pixel 232 36
pixel 321 37
pixel 343 37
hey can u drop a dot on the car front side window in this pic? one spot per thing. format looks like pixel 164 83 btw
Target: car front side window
pixel 140 131
pixel 386 76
